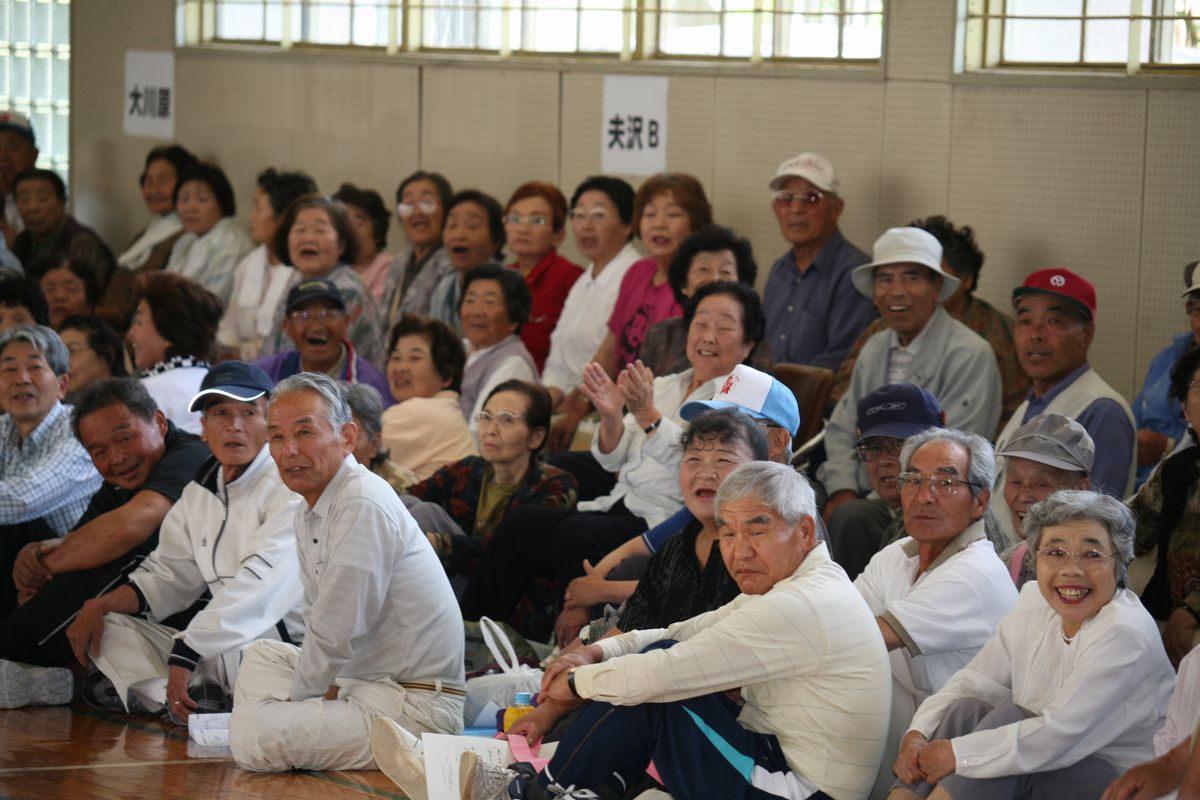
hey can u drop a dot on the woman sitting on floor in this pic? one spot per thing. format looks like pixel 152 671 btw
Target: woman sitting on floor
pixel 1069 691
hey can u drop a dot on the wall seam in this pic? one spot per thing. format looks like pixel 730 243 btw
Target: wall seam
pixel 1141 247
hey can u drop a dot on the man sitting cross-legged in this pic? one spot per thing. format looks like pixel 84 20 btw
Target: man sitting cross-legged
pixel 230 534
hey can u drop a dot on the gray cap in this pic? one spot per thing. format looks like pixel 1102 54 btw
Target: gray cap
pixel 1054 440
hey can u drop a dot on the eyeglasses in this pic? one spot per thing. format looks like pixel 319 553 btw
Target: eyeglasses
pixel 505 419
pixel 939 486
pixel 533 219
pixel 322 314
pixel 597 217
pixel 872 449
pixel 810 198
pixel 424 206
pixel 1091 560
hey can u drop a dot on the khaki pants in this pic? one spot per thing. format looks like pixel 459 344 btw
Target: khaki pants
pixel 270 733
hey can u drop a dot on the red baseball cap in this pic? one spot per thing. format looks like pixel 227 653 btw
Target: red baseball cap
pixel 1075 289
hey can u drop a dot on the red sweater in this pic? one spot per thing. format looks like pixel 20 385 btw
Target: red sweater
pixel 549 282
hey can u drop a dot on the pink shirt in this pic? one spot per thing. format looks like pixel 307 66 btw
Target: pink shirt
pixel 639 308
pixel 374 275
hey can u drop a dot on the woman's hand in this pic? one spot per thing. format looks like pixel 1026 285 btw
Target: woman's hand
pixel 603 394
pixel 579 657
pixel 1179 633
pixel 588 590
pixel 906 766
pixel 636 383
pixel 537 723
pixel 936 760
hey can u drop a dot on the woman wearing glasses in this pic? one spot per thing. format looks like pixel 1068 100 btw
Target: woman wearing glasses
pixel 1070 690
pixel 421 203
pixel 460 505
pixel 535 225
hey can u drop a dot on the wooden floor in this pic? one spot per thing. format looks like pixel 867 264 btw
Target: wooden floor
pixel 77 753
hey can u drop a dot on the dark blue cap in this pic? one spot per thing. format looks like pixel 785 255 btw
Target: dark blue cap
pixel 900 410
pixel 233 380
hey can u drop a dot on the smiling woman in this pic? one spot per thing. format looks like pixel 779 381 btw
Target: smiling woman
pixel 212 243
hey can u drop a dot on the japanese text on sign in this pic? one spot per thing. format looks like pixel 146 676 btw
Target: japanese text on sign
pixel 149 102
pixel 634 137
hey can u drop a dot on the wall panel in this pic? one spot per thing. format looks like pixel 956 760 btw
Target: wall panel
pixel 916 138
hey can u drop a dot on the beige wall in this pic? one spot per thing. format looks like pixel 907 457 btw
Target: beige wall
pixel 1099 174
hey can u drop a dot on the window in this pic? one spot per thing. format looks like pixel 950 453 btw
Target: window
pixel 35 73
pixel 821 30
pixel 1078 33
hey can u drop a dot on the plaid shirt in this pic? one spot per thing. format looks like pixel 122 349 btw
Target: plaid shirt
pixel 1183 553
pixel 48 476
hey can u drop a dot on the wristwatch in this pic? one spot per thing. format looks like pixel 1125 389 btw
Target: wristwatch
pixel 571 682
pixel 585 634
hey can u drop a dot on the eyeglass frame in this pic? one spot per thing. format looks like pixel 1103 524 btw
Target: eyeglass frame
pixel 319 314
pixel 596 216
pixel 426 205
pixel 893 448
pixel 911 481
pixel 505 419
pixel 1095 565
pixel 778 198
pixel 536 220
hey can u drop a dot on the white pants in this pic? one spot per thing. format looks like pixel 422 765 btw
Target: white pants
pixel 269 732
pixel 134 653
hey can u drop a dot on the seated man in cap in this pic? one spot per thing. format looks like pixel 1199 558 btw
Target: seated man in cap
pixel 923 345
pixel 145 462
pixel 1046 454
pixel 1056 312
pixel 317 323
pixel 230 534
pixel 886 417
pixel 813 312
pixel 939 593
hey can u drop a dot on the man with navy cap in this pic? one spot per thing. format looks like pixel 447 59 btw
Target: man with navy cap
pixel 886 417
pixel 231 535
pixel 923 345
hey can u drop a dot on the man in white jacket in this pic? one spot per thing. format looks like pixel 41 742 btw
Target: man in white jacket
pixel 230 533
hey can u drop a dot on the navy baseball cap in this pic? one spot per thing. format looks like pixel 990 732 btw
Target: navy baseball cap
pixel 232 380
pixel 314 289
pixel 899 410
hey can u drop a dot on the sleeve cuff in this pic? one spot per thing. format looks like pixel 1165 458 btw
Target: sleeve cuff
pixel 183 656
pixel 143 604
pixel 894 624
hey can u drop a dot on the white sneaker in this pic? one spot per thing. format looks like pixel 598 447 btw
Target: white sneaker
pixel 22 686
pixel 400 756
pixel 478 780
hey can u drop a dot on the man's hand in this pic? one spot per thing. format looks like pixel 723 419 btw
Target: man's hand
pixel 331 693
pixel 29 574
pixel 536 724
pixel 836 499
pixel 1154 778
pixel 906 767
pixel 1179 634
pixel 570 621
pixel 85 632
pixel 936 760
pixel 580 657
pixel 179 703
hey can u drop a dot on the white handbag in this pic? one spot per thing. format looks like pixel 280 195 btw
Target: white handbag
pixel 487 694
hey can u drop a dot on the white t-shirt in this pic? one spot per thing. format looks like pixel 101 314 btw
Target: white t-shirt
pixel 173 390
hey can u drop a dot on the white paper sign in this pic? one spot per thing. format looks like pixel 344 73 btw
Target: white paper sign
pixel 442 754
pixel 149 102
pixel 633 136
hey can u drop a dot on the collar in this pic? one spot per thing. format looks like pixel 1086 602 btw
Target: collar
pixel 971 534
pixel 249 473
pixel 45 426
pixel 175 362
pixel 832 244
pixel 914 346
pixel 619 263
pixel 540 268
pixel 1061 386
pixel 334 487
pixel 473 352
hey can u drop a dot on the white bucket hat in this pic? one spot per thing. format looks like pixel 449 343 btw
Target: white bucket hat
pixel 905 246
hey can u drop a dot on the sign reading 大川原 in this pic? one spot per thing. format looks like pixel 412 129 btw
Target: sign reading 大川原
pixel 634 125
pixel 149 102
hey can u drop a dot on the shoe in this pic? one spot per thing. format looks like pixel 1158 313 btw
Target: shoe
pixel 210 698
pixel 22 686
pixel 99 693
pixel 478 780
pixel 399 755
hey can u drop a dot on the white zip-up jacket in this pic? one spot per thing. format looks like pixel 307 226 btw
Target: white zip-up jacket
pixel 236 540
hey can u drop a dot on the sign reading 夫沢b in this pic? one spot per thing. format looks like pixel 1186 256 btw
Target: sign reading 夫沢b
pixel 634 125
pixel 149 102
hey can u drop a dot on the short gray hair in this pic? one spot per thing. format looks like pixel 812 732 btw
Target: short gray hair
pixel 1070 505
pixel 336 407
pixel 365 404
pixel 42 339
pixel 777 486
pixel 981 458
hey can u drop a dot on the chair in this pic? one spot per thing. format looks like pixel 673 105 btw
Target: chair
pixel 812 387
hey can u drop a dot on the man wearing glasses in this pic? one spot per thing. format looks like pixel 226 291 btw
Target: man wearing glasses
pixel 939 593
pixel 813 312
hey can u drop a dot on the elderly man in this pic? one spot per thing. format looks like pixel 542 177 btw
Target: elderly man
pixel 939 594
pixel 924 345
pixel 886 417
pixel 383 636
pixel 18 152
pixel 46 477
pixel 231 535
pixel 1046 454
pixel 1056 312
pixel 813 312
pixel 145 462
pixel 781 693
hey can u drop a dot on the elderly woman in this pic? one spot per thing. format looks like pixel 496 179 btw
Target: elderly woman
pixel 150 249
pixel 425 429
pixel 495 304
pixel 668 208
pixel 262 279
pixel 421 202
pixel 713 253
pixel 473 237
pixel 42 202
pixel 370 219
pixel 1072 687
pixel 173 338
pixel 460 505
pixel 70 288
pixel 535 224
pixel 21 302
pixel 602 222
pixel 212 243
pixel 319 240
pixel 367 408
pixel 96 352
pixel 725 324
pixel 1166 509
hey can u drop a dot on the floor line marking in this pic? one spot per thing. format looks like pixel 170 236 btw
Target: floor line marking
pixel 111 765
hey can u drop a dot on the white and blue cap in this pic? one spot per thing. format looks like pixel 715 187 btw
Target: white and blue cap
pixel 232 380
pixel 754 393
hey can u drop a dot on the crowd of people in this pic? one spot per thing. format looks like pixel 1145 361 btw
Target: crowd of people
pixel 273 470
